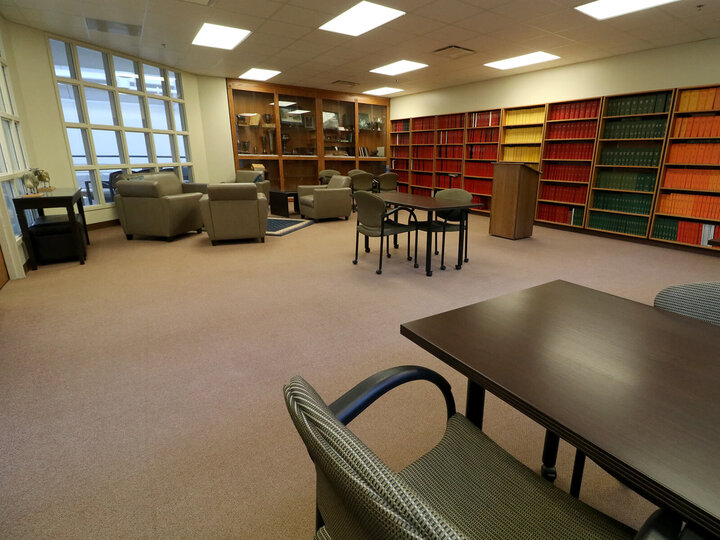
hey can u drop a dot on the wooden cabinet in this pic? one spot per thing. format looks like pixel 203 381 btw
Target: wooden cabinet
pixel 296 132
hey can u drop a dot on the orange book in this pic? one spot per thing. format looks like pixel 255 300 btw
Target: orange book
pixel 703 96
pixel 693 100
pixel 683 101
pixel 712 95
pixel 694 127
pixel 715 127
pixel 716 102
pixel 714 156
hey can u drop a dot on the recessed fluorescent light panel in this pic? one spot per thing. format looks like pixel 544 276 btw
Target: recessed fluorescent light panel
pixel 385 90
pixel 396 68
pixel 606 9
pixel 361 18
pixel 524 60
pixel 220 37
pixel 257 74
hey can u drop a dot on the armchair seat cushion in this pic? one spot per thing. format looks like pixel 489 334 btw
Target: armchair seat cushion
pixel 487 493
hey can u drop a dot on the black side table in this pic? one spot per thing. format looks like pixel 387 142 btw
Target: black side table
pixel 279 202
pixel 59 198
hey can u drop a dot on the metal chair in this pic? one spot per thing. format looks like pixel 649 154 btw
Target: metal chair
pixel 466 487
pixel 450 221
pixel 373 220
pixel 698 300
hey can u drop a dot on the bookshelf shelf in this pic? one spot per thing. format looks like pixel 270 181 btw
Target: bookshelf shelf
pixel 556 201
pixel 621 190
pixel 687 205
pixel 620 212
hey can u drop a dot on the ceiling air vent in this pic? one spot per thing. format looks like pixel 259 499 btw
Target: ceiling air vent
pixel 346 84
pixel 113 27
pixel 453 51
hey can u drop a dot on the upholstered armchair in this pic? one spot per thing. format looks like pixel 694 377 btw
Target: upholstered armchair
pixel 326 174
pixel 332 200
pixel 158 204
pixel 254 177
pixel 234 211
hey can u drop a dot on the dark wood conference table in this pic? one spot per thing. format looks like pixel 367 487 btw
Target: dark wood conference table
pixel 635 388
pixel 430 205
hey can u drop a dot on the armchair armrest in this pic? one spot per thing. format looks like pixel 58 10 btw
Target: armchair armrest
pixel 328 195
pixel 661 525
pixel 194 188
pixel 362 395
pixel 308 190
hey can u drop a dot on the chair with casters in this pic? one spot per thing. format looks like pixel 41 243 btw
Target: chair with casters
pixel 387 182
pixel 332 200
pixel 698 300
pixel 326 174
pixel 466 487
pixel 254 177
pixel 374 220
pixel 450 221
pixel 234 212
pixel 158 204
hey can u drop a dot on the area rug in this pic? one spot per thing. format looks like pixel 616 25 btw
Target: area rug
pixel 283 226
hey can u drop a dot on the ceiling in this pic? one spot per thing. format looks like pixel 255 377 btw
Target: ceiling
pixel 285 35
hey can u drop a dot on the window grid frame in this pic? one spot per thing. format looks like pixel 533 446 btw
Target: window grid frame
pixel 114 91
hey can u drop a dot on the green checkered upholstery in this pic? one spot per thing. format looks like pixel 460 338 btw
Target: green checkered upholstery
pixel 465 487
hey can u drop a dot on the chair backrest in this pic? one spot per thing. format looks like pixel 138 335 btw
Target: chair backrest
pixel 388 181
pixel 339 182
pixel 232 192
pixel 698 300
pixel 244 176
pixel 362 181
pixel 326 174
pixel 453 195
pixel 370 209
pixel 152 184
pixel 353 172
pixel 359 496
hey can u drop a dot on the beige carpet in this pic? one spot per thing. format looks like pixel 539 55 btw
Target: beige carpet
pixel 141 394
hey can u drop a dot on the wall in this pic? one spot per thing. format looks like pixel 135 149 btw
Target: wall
pixel 215 116
pixel 689 64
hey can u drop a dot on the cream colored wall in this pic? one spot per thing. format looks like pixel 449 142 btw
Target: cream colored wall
pixel 215 116
pixel 690 64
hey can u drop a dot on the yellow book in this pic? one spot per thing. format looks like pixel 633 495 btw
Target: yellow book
pixel 693 101
pixel 684 101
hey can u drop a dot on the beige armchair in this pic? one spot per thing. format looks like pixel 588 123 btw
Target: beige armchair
pixel 158 204
pixel 254 177
pixel 234 211
pixel 332 200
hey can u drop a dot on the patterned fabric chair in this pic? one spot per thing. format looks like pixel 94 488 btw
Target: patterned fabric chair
pixel 466 487
pixel 698 300
pixel 374 221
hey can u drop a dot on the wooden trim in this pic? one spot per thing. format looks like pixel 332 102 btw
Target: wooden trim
pixel 235 84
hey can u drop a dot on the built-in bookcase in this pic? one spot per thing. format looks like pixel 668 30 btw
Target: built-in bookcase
pixel 522 134
pixel 568 151
pixel 422 155
pixel 400 152
pixel 687 207
pixel 482 138
pixel 449 148
pixel 628 161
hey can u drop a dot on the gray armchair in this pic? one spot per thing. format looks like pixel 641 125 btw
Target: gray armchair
pixel 158 204
pixel 254 177
pixel 332 200
pixel 466 487
pixel 326 174
pixel 234 211
pixel 698 300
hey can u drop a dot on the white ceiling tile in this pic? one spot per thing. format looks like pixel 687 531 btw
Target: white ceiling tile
pixel 559 21
pixel 448 11
pixel 487 21
pixel 299 15
pixel 415 24
pixel 278 28
pixel 263 9
pixel 451 34
pixel 526 10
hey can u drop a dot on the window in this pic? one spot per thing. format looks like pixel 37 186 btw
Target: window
pixel 120 114
pixel 13 161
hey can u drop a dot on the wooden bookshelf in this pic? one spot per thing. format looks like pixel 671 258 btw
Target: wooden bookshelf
pixel 687 206
pixel 482 139
pixel 449 149
pixel 628 159
pixel 296 132
pixel 521 134
pixel 400 152
pixel 568 152
pixel 422 155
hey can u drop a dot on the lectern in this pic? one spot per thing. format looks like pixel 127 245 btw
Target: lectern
pixel 513 200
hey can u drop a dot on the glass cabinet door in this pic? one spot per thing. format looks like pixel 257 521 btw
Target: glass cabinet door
pixel 255 123
pixel 372 124
pixel 297 122
pixel 338 128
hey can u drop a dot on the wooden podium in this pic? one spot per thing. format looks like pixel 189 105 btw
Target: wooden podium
pixel 514 195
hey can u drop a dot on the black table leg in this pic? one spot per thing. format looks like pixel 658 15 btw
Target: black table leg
pixel 549 456
pixel 461 243
pixel 475 403
pixel 27 240
pixel 578 468
pixel 428 246
pixel 81 211
pixel 77 235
